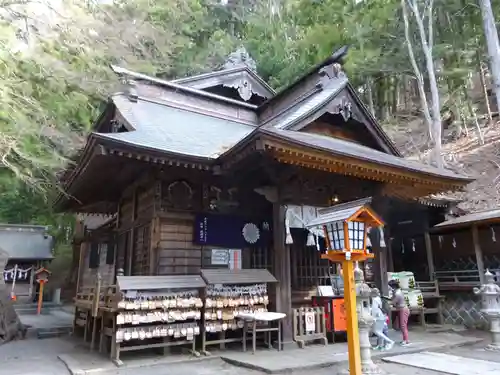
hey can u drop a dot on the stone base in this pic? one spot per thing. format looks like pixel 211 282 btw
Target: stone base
pixel 367 370
pixel 371 369
pixel 289 344
pixel 493 348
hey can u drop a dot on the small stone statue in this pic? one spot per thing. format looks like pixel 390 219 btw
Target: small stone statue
pixel 490 295
pixel 365 322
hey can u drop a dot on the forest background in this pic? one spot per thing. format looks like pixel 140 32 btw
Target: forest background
pixel 55 75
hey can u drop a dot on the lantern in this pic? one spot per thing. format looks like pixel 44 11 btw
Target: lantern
pixel 345 227
pixel 42 277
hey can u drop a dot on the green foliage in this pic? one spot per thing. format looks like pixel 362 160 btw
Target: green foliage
pixel 53 87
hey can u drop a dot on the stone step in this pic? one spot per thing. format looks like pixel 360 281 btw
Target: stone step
pixel 45 333
pixel 32 308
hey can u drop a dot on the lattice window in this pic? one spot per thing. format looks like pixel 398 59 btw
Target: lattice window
pixel 261 258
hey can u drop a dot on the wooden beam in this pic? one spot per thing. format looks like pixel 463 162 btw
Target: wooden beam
pixel 479 253
pixel 430 255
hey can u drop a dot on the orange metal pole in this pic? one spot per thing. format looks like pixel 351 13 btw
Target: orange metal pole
pixel 40 298
pixel 352 318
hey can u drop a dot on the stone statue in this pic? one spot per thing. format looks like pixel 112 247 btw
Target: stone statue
pixel 490 301
pixel 365 322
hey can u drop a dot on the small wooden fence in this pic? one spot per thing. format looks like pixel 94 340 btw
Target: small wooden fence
pixel 309 325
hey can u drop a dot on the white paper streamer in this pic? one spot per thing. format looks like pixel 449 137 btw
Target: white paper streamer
pixel 310 240
pixel 454 243
pixel 493 236
pixel 413 245
pixel 288 239
pixel 368 241
pixel 382 239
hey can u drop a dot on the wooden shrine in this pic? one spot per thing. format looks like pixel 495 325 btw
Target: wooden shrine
pixel 205 166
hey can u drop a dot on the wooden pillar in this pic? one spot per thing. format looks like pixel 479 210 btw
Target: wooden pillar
pixel 430 255
pixel 81 266
pixel 381 206
pixel 390 255
pixel 282 270
pixel 380 262
pixel 479 253
pixel 130 254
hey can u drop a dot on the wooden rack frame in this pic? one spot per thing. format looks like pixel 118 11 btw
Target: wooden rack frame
pixel 155 284
pixel 236 278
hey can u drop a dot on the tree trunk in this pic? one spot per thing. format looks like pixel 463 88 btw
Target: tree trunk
pixel 426 40
pixel 491 35
pixel 485 90
pixel 369 94
pixel 10 325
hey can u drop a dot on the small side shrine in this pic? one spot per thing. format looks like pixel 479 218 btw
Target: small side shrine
pixel 199 174
pixel 464 248
pixel 28 247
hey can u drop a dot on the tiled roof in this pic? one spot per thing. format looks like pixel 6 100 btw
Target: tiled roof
pixel 168 129
pixel 476 217
pixel 342 147
pixel 26 242
pixel 310 105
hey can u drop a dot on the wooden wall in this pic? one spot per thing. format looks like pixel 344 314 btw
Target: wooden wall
pixel 176 252
pixel 134 228
pixel 447 257
pixel 88 275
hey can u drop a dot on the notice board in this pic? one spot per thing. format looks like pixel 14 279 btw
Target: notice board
pixel 339 315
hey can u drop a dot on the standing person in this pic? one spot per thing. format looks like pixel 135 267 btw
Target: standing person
pixel 398 301
pixel 383 341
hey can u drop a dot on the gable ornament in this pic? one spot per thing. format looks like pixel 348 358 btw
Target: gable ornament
pixel 342 106
pixel 243 86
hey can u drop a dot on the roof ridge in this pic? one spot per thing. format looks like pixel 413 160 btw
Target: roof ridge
pixel 234 69
pixel 175 86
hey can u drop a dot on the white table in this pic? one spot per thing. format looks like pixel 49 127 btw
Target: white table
pixel 261 317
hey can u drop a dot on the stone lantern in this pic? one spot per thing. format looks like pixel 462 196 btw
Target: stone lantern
pixel 490 303
pixel 365 322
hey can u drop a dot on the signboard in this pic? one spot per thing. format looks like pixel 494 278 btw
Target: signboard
pixel 310 321
pixel 339 316
pixel 230 231
pixel 220 257
pixel 226 257
pixel 235 259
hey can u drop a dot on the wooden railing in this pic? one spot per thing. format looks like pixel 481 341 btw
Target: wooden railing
pixel 460 280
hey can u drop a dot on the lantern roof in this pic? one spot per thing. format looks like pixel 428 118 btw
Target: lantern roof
pixel 42 270
pixel 357 210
